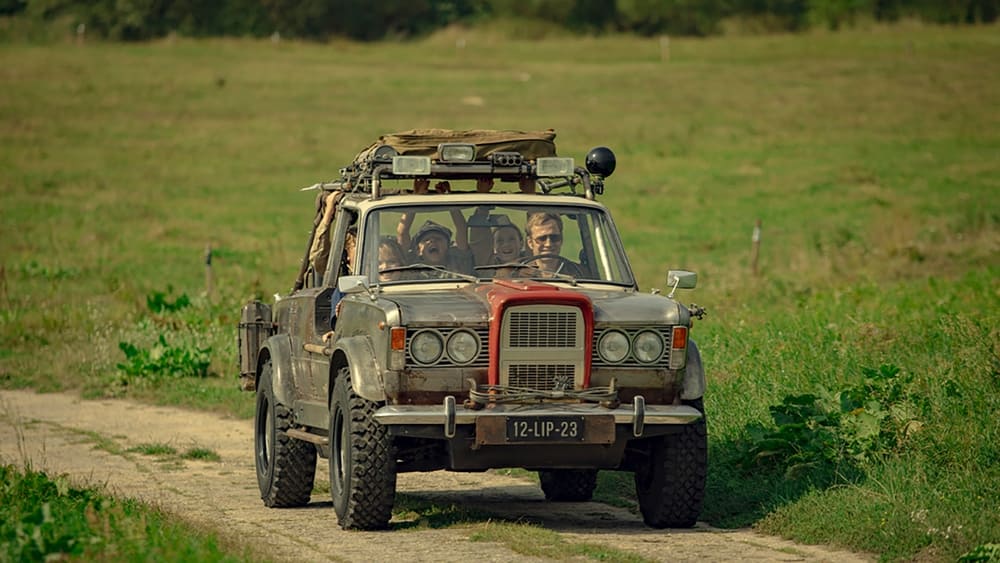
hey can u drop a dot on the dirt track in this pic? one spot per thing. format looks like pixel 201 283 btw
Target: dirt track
pixel 57 433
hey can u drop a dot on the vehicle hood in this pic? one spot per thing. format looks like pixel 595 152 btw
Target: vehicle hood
pixel 470 306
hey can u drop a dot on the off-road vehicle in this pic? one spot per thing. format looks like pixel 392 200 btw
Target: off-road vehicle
pixel 470 306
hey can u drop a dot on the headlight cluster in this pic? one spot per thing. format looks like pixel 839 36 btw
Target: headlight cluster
pixel 646 346
pixel 428 346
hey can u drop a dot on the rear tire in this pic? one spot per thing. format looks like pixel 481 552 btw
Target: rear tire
pixel 362 461
pixel 671 486
pixel 568 485
pixel 286 467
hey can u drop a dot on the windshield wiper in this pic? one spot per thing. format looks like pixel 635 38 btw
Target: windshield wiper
pixel 422 266
pixel 518 265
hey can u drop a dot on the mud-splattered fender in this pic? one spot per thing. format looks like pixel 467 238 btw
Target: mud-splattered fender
pixel 694 374
pixel 279 349
pixel 357 353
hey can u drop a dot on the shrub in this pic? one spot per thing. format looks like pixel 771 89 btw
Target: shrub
pixel 859 424
pixel 164 359
pixel 158 302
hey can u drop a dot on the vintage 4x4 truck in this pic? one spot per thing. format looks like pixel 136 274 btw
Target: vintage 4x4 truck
pixel 389 356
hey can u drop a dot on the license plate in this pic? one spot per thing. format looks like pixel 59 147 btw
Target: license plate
pixel 545 429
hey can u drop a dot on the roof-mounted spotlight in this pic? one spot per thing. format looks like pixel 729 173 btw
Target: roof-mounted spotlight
pixel 554 166
pixel 411 165
pixel 601 161
pixel 456 152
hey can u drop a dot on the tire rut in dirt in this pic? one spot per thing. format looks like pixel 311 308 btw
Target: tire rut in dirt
pixel 671 489
pixel 286 467
pixel 568 485
pixel 362 462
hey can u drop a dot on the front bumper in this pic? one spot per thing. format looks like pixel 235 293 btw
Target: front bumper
pixel 637 415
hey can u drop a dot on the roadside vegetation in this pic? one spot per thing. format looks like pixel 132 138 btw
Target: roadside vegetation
pixel 405 19
pixel 854 380
pixel 46 518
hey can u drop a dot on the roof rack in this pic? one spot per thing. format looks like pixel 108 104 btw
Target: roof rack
pixel 510 156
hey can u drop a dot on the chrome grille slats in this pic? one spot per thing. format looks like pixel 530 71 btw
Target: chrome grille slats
pixel 542 346
pixel 630 361
pixel 542 329
pixel 547 377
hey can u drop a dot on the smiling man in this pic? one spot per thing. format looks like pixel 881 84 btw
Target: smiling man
pixel 544 237
pixel 432 245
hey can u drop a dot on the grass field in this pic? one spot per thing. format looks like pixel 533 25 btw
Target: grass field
pixel 872 159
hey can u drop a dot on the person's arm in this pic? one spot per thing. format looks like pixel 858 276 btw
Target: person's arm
pixel 320 251
pixel 480 237
pixel 420 186
pixel 461 229
pixel 403 228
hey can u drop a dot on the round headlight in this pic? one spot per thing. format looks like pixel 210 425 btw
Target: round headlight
pixel 648 346
pixel 426 347
pixel 463 346
pixel 613 346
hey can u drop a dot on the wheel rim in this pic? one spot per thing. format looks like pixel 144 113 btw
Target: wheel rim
pixel 339 453
pixel 265 428
pixel 268 436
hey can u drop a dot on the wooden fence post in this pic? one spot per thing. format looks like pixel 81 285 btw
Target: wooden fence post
pixel 755 247
pixel 208 270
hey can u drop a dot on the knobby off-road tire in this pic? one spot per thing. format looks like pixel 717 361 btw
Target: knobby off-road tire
pixel 362 461
pixel 671 488
pixel 286 467
pixel 568 485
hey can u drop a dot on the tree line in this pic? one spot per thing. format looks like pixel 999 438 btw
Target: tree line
pixel 372 20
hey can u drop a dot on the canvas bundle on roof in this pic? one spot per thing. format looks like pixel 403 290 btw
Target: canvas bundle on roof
pixel 424 142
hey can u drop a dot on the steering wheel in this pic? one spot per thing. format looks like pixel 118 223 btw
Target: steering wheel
pixel 563 261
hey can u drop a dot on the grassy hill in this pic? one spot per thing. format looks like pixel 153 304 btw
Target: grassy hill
pixel 870 157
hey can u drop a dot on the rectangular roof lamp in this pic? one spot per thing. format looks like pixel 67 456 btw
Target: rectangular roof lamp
pixel 554 166
pixel 411 165
pixel 456 152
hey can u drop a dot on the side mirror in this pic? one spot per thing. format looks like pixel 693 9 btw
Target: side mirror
pixel 681 279
pixel 353 284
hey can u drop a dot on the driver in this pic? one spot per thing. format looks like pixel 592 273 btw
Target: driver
pixel 544 238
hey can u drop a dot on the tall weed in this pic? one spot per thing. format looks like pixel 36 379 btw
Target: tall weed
pixel 860 424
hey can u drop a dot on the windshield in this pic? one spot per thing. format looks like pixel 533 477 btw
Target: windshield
pixel 469 242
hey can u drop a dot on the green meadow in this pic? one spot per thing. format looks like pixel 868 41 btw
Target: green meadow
pixel 870 157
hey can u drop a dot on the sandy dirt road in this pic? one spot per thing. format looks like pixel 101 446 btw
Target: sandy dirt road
pixel 58 433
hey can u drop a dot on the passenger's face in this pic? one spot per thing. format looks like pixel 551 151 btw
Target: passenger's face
pixel 389 258
pixel 349 247
pixel 433 249
pixel 545 238
pixel 507 244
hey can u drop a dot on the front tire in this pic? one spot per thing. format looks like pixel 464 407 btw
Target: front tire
pixel 286 467
pixel 671 486
pixel 362 461
pixel 568 485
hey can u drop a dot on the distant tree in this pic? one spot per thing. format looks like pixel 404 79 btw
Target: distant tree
pixel 787 15
pixel 593 15
pixel 11 7
pixel 835 13
pixel 371 20
pixel 680 17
